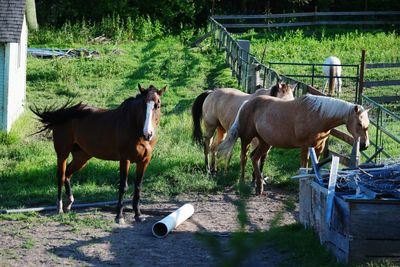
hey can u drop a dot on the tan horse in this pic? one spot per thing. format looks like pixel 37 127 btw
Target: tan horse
pixel 218 109
pixel 303 122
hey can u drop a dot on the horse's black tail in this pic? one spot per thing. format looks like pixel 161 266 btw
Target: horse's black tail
pixel 51 116
pixel 197 115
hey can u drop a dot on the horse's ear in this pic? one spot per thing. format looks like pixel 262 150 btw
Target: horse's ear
pixel 141 89
pixel 279 83
pixel 369 107
pixel 357 108
pixel 294 86
pixel 162 91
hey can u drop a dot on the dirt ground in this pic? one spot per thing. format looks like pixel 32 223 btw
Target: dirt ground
pixel 52 243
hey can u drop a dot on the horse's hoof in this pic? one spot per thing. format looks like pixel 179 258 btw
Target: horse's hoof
pixel 139 219
pixel 120 221
pixel 66 210
pixel 60 211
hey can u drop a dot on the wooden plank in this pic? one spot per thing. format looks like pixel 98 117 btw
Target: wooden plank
pixel 382 65
pixel 314 91
pixel 341 216
pixel 385 99
pixel 331 189
pixel 340 241
pixel 201 39
pixel 306 23
pixel 341 256
pixel 381 83
pixel 360 250
pixel 305 202
pixel 343 136
pixel 306 14
pixel 375 221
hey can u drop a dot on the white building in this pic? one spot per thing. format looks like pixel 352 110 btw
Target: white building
pixel 13 49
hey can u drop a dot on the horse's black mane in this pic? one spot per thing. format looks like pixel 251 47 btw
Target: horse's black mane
pixel 274 90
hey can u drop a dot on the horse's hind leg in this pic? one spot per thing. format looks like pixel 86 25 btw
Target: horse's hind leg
pixel 79 160
pixel 216 141
pixel 207 140
pixel 260 152
pixel 243 158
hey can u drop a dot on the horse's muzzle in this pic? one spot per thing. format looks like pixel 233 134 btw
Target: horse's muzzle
pixel 363 146
pixel 148 136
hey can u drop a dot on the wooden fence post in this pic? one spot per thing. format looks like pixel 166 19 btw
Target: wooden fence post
pixel 361 82
pixel 254 81
pixel 244 61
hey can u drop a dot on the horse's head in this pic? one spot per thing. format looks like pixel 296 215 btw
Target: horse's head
pixel 357 124
pixel 283 90
pixel 280 90
pixel 152 101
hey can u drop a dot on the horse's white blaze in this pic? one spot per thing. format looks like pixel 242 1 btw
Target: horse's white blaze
pixel 148 129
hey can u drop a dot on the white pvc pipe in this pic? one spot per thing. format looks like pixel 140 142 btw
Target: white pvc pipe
pixel 163 227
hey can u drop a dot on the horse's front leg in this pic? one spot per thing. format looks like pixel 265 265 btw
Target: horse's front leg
pixel 123 187
pixel 304 157
pixel 140 170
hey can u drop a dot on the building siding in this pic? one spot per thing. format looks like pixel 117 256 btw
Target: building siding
pixel 14 80
pixel 2 85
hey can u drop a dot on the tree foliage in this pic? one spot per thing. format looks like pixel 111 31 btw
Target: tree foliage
pixel 176 15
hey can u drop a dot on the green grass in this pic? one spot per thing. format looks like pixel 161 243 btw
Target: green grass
pixel 27 165
pixel 28 162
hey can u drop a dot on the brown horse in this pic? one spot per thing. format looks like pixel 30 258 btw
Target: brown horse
pixel 303 122
pixel 218 109
pixel 126 134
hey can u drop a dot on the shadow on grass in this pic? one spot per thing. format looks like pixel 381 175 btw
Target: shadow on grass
pixel 98 181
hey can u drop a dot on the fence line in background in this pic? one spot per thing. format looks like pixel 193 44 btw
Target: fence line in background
pixel 381 18
pixel 382 118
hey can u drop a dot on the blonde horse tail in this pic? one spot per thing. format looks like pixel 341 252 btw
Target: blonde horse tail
pixel 226 147
pixel 333 81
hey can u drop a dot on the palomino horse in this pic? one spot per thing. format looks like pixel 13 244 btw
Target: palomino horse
pixel 302 122
pixel 218 109
pixel 331 72
pixel 126 134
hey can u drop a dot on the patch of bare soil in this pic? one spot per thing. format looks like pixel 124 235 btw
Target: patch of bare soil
pixel 51 243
